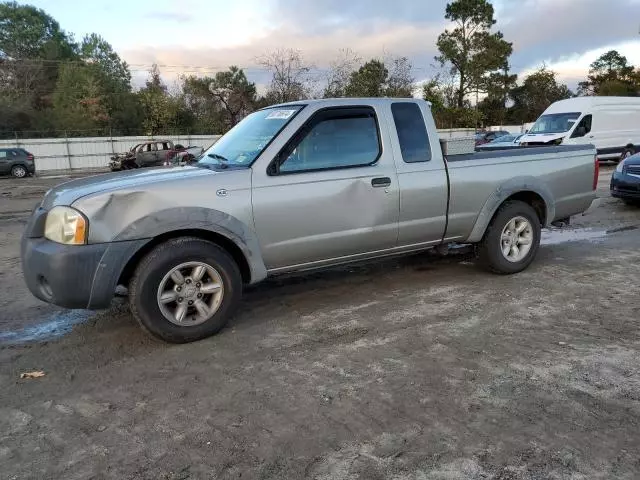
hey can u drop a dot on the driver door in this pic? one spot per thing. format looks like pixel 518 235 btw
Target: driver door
pixel 331 194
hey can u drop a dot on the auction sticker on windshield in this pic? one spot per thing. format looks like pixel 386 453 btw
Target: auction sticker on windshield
pixel 280 114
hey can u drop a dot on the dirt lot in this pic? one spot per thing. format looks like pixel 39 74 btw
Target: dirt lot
pixel 419 368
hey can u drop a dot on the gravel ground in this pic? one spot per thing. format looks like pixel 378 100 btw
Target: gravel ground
pixel 417 368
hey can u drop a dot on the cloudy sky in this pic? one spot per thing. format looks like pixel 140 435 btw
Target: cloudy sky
pixel 205 36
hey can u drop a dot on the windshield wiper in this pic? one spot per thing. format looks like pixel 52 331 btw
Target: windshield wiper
pixel 223 161
pixel 218 157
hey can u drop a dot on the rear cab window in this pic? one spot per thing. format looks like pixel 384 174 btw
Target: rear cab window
pixel 412 132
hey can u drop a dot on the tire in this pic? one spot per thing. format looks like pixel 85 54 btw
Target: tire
pixel 19 171
pixel 490 249
pixel 153 273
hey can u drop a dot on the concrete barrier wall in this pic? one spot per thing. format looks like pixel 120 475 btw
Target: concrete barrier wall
pixel 91 152
pixel 94 152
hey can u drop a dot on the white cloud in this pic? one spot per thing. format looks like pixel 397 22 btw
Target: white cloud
pixel 565 34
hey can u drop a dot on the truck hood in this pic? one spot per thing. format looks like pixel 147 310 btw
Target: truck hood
pixel 69 192
pixel 542 137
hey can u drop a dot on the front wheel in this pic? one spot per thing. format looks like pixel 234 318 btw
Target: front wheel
pixel 512 239
pixel 185 289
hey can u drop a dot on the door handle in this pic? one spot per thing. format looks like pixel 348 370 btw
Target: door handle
pixel 381 182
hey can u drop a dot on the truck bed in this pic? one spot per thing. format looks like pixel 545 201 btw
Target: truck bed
pixel 560 172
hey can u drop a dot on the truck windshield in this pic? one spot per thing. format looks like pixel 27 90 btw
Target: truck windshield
pixel 555 123
pixel 241 145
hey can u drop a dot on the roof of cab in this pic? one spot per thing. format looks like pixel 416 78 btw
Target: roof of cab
pixel 350 101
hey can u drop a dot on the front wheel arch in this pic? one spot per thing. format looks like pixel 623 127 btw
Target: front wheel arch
pixel 223 242
pixel 179 309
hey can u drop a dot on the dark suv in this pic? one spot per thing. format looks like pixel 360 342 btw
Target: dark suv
pixel 16 162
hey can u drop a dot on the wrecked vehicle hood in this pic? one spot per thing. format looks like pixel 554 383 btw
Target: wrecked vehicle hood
pixel 70 192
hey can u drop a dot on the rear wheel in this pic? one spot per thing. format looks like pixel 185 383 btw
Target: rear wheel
pixel 184 290
pixel 512 239
pixel 18 171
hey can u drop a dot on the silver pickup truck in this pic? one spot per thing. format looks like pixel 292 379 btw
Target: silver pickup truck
pixel 292 187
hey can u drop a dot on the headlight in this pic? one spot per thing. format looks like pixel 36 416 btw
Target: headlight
pixel 65 225
pixel 620 166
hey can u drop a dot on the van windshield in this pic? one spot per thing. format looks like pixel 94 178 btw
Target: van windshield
pixel 241 145
pixel 555 122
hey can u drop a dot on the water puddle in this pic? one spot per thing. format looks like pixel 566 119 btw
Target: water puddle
pixel 554 237
pixel 563 235
pixel 59 324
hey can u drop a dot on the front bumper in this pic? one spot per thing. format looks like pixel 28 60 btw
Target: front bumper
pixel 115 165
pixel 72 276
pixel 62 274
pixel 625 186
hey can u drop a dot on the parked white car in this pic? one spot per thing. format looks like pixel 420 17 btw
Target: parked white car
pixel 611 124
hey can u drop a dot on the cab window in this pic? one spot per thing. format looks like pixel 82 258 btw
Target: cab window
pixel 412 132
pixel 333 138
pixel 583 128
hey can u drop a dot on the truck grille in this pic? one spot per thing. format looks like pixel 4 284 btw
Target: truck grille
pixel 633 169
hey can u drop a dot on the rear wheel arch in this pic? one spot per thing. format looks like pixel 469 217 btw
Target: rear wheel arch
pixel 532 193
pixel 533 199
pixel 512 239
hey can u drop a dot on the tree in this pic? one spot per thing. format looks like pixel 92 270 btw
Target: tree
pixel 538 90
pixel 114 77
pixel 470 50
pixel 400 82
pixel 368 81
pixel 32 45
pixel 235 93
pixel 288 75
pixel 96 51
pixel 28 32
pixel 611 75
pixel 202 104
pixel 498 86
pixel 340 73
pixel 218 103
pixel 155 103
pixel 78 103
pixel 441 92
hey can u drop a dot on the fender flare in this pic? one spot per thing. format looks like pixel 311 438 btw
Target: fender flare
pixel 137 235
pixel 502 193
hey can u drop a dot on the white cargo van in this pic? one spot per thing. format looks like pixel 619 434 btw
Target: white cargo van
pixel 611 124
